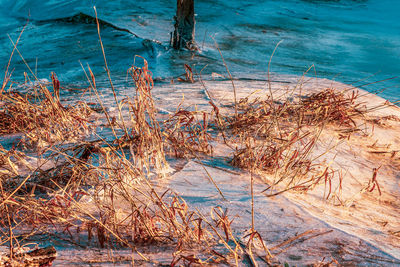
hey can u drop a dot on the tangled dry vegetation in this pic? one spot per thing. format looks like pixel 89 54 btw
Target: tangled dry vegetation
pixel 41 117
pixel 106 193
pixel 277 137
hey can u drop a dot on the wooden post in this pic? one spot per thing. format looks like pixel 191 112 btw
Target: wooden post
pixel 183 36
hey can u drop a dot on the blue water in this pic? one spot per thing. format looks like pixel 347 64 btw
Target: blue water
pixel 346 40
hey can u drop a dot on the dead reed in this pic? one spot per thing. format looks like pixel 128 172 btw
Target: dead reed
pixel 187 134
pixel 277 137
pixel 41 117
pixel 102 193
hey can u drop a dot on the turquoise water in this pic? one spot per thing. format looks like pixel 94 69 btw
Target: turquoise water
pixel 346 40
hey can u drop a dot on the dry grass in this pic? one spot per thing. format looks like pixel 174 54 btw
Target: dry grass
pixel 42 118
pixel 187 134
pixel 105 193
pixel 278 137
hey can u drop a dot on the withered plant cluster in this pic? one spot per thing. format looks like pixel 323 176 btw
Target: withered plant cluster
pixel 187 134
pixel 41 117
pixel 277 137
pixel 106 193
